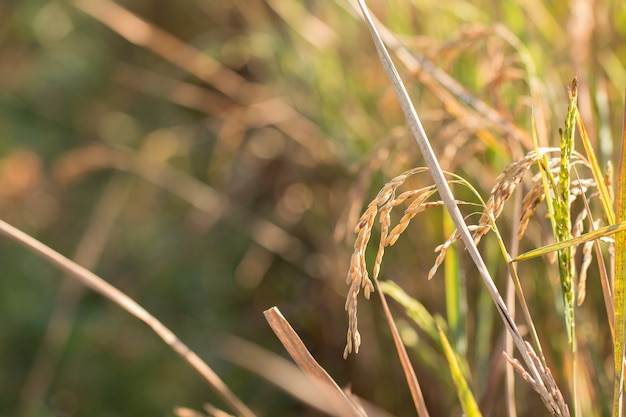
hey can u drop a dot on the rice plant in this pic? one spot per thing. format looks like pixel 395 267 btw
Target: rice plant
pixel 210 160
pixel 560 181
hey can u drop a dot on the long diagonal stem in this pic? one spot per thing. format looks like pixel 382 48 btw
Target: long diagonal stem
pixel 444 190
pixel 99 285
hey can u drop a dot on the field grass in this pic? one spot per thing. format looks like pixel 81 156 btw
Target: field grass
pixel 207 161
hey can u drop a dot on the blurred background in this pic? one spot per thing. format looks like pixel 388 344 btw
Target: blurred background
pixel 211 160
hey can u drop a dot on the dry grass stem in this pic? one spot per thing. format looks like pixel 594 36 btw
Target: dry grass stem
pixel 274 368
pixel 61 320
pixel 545 386
pixel 187 412
pixel 409 372
pixel 303 358
pixel 214 411
pixel 99 285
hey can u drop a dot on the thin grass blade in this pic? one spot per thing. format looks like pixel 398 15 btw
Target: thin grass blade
pixel 414 309
pixel 586 237
pixel 468 402
pixel 605 196
pixel 409 372
pixel 110 292
pixel 620 280
pixel 422 317
pixel 455 297
pixel 276 369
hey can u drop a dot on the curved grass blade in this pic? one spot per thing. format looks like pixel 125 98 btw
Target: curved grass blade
pixel 620 281
pixel 414 309
pixel 605 197
pixel 595 234
pixel 455 293
pixel 468 402
pixel 110 292
pixel 409 372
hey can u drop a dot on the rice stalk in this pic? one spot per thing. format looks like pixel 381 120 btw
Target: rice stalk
pixel 620 282
pixel 545 386
pixel 559 208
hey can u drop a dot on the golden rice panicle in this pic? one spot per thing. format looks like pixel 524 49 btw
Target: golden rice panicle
pixel 442 250
pixel 415 207
pixel 385 201
pixel 531 201
pixel 536 195
pixel 357 274
pixel 358 278
pixel 506 183
pixel 385 223
pixel 581 290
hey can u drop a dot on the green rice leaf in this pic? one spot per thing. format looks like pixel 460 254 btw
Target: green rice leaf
pixel 620 281
pixel 586 237
pixel 468 402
